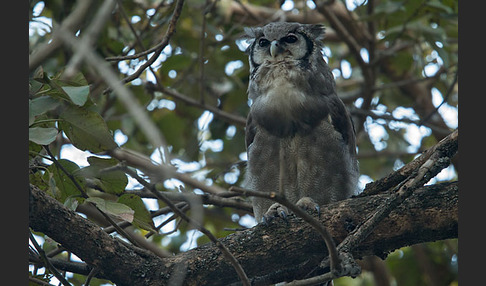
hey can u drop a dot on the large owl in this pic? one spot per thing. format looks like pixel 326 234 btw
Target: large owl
pixel 299 135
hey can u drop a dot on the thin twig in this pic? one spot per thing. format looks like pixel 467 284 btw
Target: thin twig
pixel 231 118
pixel 70 176
pixel 444 100
pixel 91 274
pixel 46 261
pixel 316 280
pixel 165 41
pixel 39 281
pixel 390 117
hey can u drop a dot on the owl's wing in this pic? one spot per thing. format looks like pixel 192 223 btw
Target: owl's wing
pixel 250 131
pixel 340 118
pixel 342 122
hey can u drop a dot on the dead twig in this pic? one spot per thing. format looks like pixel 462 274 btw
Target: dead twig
pixel 46 261
pixel 158 48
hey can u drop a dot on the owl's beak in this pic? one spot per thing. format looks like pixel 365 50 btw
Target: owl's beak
pixel 274 48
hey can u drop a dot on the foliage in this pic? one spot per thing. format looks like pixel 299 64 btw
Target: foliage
pixel 401 88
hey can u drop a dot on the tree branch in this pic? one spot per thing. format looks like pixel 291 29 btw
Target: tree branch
pixel 429 214
pixel 231 118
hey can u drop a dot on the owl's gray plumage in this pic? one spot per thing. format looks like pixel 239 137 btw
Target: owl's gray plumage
pixel 295 109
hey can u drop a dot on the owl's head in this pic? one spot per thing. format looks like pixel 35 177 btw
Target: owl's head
pixel 279 41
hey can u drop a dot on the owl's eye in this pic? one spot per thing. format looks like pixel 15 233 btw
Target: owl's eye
pixel 263 42
pixel 290 39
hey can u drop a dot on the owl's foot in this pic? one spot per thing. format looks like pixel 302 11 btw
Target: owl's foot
pixel 278 210
pixel 309 205
pixel 275 210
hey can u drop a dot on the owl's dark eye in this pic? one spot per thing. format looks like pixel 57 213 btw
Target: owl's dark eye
pixel 263 42
pixel 290 39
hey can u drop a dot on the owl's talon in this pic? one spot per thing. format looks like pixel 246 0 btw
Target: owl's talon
pixel 275 210
pixel 309 205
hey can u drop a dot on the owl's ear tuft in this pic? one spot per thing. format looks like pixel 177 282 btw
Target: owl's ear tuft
pixel 253 32
pixel 250 32
pixel 250 35
pixel 316 31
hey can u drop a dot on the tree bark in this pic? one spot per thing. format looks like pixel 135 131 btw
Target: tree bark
pixel 281 250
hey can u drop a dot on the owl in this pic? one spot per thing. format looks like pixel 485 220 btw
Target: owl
pixel 299 135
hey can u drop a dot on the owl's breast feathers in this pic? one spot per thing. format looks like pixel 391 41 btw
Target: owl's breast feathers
pixel 288 100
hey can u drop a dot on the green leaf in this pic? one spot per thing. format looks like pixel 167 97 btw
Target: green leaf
pixel 142 216
pixel 38 106
pixel 87 130
pixel 117 210
pixel 42 136
pixel 77 94
pixel 61 186
pixel 110 181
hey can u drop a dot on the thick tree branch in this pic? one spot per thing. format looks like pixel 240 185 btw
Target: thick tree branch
pixel 115 259
pixel 295 248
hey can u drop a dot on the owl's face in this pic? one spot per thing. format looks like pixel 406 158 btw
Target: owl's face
pixel 281 41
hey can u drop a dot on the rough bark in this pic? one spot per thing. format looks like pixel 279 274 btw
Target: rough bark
pixel 279 251
pixel 119 262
